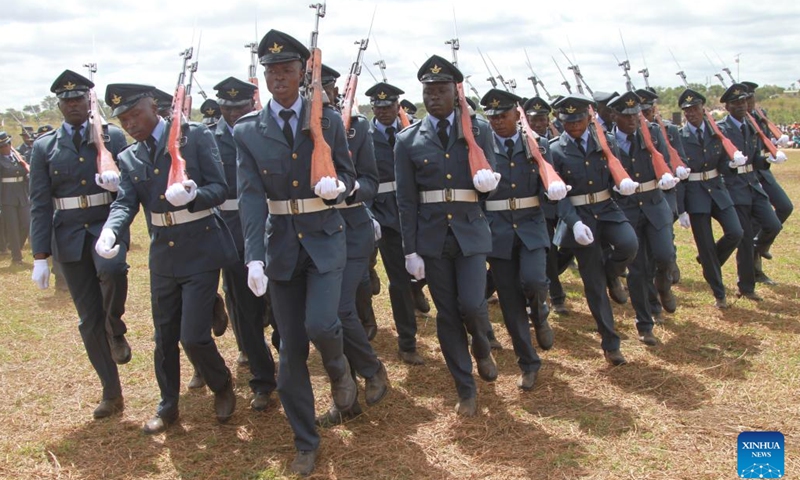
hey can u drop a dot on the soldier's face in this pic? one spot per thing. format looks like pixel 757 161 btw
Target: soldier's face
pixel 575 129
pixel 627 123
pixel 694 115
pixel 608 115
pixel 439 98
pixel 28 140
pixel 649 114
pixel 140 120
pixel 283 81
pixel 232 114
pixel 505 124
pixel 5 149
pixel 388 114
pixel 75 110
pixel 539 123
pixel 332 91
pixel 751 103
pixel 737 108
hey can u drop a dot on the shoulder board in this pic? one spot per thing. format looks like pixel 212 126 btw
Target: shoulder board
pixel 413 126
pixel 248 116
pixel 553 140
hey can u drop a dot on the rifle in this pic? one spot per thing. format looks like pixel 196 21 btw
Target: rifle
pixel 535 79
pixel 565 82
pixel 491 78
pixel 14 151
pixel 506 83
pixel 177 169
pixel 97 126
pixel 596 130
pixel 252 75
pixel 187 104
pixel 773 129
pixel 401 113
pixel 349 97
pixel 546 171
pixel 321 156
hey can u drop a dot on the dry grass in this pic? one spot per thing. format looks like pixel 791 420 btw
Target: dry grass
pixel 673 412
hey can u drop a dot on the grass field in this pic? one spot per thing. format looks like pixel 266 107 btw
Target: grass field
pixel 673 412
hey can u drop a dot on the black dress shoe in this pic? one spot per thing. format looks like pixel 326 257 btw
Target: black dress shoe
pixel 616 291
pixel 225 402
pixel 668 301
pixel 658 318
pixel 420 300
pixel 495 344
pixel 303 463
pixel 766 254
pixel 371 331
pixel 376 386
pixel 334 416
pixel 487 369
pixel 527 380
pixel 219 322
pixel 467 407
pixel 197 381
pixel 120 350
pixel 109 407
pixel 242 359
pixel 721 303
pixel 648 338
pixel 544 335
pixel 261 401
pixel 750 296
pixel 158 424
pixel 675 273
pixel 761 277
pixel 411 358
pixel 374 282
pixel 344 389
pixel 614 357
pixel 560 308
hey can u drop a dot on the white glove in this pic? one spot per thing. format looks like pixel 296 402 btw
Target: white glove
pixel 783 141
pixel 683 219
pixel 780 157
pixel 41 273
pixel 256 279
pixel 683 172
pixel 738 160
pixel 485 180
pixel 105 244
pixel 356 187
pixel 376 229
pixel 415 266
pixel 626 187
pixel 179 194
pixel 667 181
pixel 557 191
pixel 582 233
pixel 329 188
pixel 108 180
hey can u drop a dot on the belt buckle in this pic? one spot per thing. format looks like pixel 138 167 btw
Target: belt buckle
pixel 591 198
pixel 83 201
pixel 294 206
pixel 449 195
pixel 512 203
pixel 705 175
pixel 168 220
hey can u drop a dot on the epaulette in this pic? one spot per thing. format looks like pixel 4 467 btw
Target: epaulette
pixel 250 115
pixel 553 140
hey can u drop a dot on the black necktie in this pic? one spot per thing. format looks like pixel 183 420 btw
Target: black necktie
pixel 579 143
pixel 632 141
pixel 700 136
pixel 151 147
pixel 441 131
pixel 77 138
pixel 390 135
pixel 286 115
pixel 509 148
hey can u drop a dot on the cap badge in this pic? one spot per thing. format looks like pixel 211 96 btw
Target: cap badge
pixel 382 95
pixel 69 86
pixel 689 98
pixel 631 102
pixel 570 109
pixel 436 69
pixel 275 48
pixel 233 92
pixel 210 111
pixel 737 92
pixel 116 99
pixel 537 106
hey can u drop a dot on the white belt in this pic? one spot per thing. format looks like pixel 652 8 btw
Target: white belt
pixel 448 195
pixel 168 219
pixel 511 204
pixel 344 205
pixel 647 186
pixel 229 205
pixel 295 207
pixel 589 198
pixel 387 187
pixel 700 176
pixel 744 169
pixel 83 201
pixel 13 179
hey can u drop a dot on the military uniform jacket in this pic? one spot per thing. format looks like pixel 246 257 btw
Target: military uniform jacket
pixel 742 186
pixel 25 150
pixel 763 166
pixel 549 208
pixel 58 170
pixel 697 196
pixel 227 152
pixel 384 206
pixel 520 178
pixel 188 248
pixel 269 168
pixel 585 174
pixel 422 163
pixel 16 193
pixel 360 234
pixel 640 168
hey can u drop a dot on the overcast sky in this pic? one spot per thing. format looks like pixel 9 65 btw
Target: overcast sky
pixel 138 41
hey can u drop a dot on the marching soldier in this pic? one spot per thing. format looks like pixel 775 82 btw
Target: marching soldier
pixel 14 202
pixel 304 251
pixel 705 196
pixel 590 219
pixel 69 204
pixel 211 113
pixel 605 114
pixel 446 236
pixel 384 129
pixel 750 199
pixel 26 147
pixel 235 98
pixel 163 101
pixel 189 244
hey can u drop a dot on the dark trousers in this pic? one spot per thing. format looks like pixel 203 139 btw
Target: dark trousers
pixel 98 286
pixel 357 348
pixel 521 280
pixel 778 199
pixel 182 312
pixel 17 222
pixel 714 255
pixel 457 285
pixel 305 309
pixel 391 249
pixel 364 309
pixel 247 318
pixel 597 268
pixel 655 255
pixel 557 260
pixel 761 212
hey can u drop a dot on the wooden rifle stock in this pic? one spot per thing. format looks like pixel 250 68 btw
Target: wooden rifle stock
pixel 772 149
pixel 477 159
pixel 177 169
pixel 21 160
pixel 546 171
pixel 729 147
pixel 674 157
pixel 773 129
pixel 614 165
pixel 105 161
pixel 349 100
pixel 404 121
pixel 659 164
pixel 321 157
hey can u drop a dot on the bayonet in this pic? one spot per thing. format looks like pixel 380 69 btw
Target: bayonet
pixel 491 78
pixel 565 82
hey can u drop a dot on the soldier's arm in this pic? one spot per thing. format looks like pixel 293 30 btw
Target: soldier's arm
pixel 366 168
pixel 252 200
pixel 41 202
pixel 126 205
pixel 407 196
pixel 342 162
pixel 214 187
